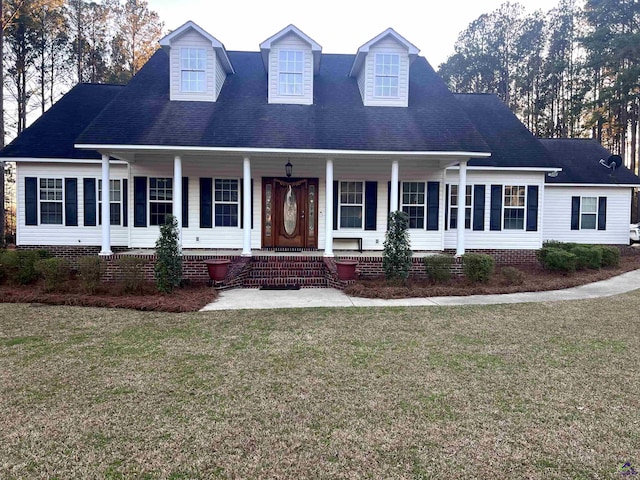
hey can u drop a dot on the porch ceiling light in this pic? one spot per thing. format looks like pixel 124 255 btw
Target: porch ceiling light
pixel 288 168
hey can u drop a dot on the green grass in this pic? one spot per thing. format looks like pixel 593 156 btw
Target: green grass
pixel 516 391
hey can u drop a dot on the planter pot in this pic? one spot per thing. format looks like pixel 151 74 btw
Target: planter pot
pixel 217 268
pixel 346 269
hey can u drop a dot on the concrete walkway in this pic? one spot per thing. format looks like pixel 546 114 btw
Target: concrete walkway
pixel 245 298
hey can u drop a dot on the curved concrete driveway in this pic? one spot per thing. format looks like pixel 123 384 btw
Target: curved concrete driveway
pixel 328 297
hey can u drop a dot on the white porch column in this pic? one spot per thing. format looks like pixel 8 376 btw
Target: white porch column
pixel 246 206
pixel 106 208
pixel 177 194
pixel 328 210
pixel 395 175
pixel 462 207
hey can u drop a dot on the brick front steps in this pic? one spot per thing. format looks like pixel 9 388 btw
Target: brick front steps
pixel 279 271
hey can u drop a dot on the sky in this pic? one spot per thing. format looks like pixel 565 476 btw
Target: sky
pixel 339 26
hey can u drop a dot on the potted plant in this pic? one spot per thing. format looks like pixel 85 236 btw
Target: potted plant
pixel 346 269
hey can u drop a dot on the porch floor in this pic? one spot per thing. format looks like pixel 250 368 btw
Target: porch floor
pixel 265 253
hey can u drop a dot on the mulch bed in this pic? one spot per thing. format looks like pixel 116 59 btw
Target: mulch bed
pixel 534 279
pixel 190 298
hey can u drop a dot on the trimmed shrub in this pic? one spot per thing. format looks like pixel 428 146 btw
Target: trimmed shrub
pixel 478 267
pixel 396 256
pixel 90 272
pixel 131 273
pixel 19 266
pixel 557 260
pixel 54 271
pixel 438 267
pixel 610 256
pixel 512 276
pixel 168 267
pixel 587 256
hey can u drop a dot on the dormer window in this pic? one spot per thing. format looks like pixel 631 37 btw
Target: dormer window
pixel 193 64
pixel 290 67
pixel 387 74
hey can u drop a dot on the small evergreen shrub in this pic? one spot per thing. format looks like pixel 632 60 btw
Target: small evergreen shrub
pixel 168 267
pixel 610 256
pixel 587 256
pixel 438 267
pixel 19 266
pixel 478 267
pixel 131 273
pixel 512 276
pixel 557 260
pixel 396 256
pixel 90 272
pixel 54 271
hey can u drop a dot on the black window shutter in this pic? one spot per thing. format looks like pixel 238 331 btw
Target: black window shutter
pixel 478 207
pixel 532 208
pixel 602 213
pixel 370 205
pixel 335 204
pixel 575 213
pixel 125 202
pixel 446 206
pixel 206 203
pixel 185 202
pixel 433 205
pixel 496 207
pixel 139 201
pixel 71 202
pixel 31 200
pixel 90 202
pixel 241 202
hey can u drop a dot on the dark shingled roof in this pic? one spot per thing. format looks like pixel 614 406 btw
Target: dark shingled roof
pixel 242 116
pixel 54 133
pixel 580 162
pixel 510 142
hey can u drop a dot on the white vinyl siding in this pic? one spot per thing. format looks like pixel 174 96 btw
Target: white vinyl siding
pixel 193 42
pixel 277 94
pixel 386 47
pixel 557 214
pixel 56 234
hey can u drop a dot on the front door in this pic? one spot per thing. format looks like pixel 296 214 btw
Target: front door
pixel 289 210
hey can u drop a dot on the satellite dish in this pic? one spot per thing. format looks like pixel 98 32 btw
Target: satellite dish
pixel 613 162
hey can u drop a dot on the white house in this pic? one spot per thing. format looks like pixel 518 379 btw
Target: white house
pixel 287 148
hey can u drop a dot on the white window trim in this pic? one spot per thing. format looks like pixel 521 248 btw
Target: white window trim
pixel 204 71
pixel 292 72
pixel 215 203
pixel 376 76
pixel 149 201
pixel 423 204
pixel 467 207
pixel 523 208
pixel 595 225
pixel 62 202
pixel 111 201
pixel 341 204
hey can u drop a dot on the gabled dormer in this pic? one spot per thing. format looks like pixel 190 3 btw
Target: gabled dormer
pixel 291 59
pixel 381 68
pixel 198 62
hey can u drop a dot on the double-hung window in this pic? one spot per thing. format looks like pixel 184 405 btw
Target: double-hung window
pixel 51 201
pixel 387 74
pixel 589 213
pixel 514 207
pixel 351 204
pixel 227 202
pixel 413 203
pixel 453 206
pixel 290 68
pixel 160 199
pixel 115 201
pixel 193 63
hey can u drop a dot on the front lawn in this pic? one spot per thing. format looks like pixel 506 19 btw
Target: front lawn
pixel 512 391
